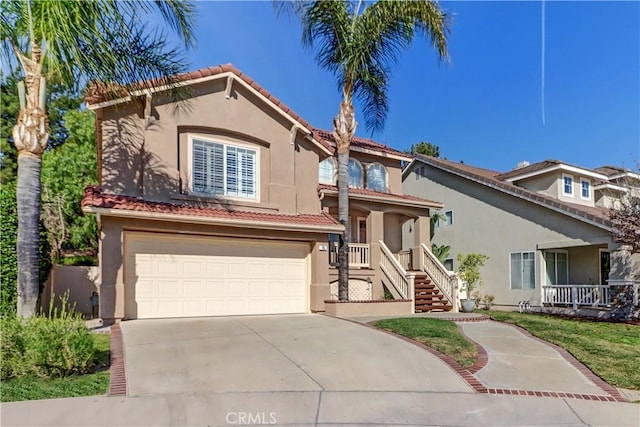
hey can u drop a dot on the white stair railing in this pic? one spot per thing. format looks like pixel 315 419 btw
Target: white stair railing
pixel 445 280
pixel 397 276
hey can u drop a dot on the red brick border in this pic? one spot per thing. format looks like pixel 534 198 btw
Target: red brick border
pixel 118 373
pixel 483 358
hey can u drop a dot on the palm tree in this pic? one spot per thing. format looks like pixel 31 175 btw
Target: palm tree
pixel 75 42
pixel 359 43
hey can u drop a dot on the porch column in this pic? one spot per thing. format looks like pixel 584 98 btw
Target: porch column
pixel 420 235
pixel 375 233
pixel 624 265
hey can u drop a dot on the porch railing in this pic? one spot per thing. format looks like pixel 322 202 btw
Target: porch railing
pixel 404 258
pixel 397 277
pixel 445 280
pixel 358 255
pixel 577 295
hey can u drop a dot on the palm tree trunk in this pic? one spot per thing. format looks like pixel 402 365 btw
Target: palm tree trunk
pixel 28 195
pixel 343 217
pixel 344 125
pixel 30 136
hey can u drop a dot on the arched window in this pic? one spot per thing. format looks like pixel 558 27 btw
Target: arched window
pixel 326 171
pixel 377 177
pixel 355 174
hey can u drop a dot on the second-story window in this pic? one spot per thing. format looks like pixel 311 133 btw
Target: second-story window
pixel 355 174
pixel 326 171
pixel 377 177
pixel 223 170
pixel 567 185
pixel 585 189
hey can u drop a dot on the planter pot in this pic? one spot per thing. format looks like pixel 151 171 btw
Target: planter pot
pixel 468 305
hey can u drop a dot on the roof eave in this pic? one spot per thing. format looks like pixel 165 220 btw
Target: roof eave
pixel 226 74
pixel 228 222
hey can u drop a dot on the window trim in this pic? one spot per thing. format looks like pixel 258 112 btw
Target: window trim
pixel 362 170
pixel 445 216
pixel 564 176
pixel 535 271
pixel 212 140
pixel 335 171
pixel 583 180
pixel 386 177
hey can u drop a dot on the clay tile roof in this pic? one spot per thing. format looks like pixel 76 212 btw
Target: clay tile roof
pixel 379 194
pixel 357 141
pixel 96 93
pixel 494 179
pixel 94 197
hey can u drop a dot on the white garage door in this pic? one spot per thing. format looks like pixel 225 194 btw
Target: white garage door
pixel 176 276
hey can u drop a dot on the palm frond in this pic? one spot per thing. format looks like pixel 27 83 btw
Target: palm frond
pixel 360 46
pixel 104 40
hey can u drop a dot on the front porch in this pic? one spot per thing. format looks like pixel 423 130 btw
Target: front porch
pixel 589 277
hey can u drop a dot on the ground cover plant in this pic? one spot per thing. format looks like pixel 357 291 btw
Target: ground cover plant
pixel 52 356
pixel 610 350
pixel 442 335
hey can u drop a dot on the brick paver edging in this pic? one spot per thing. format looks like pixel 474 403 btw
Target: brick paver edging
pixel 463 319
pixel 118 373
pixel 576 364
pixel 468 374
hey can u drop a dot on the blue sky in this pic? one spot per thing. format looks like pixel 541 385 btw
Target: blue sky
pixel 485 107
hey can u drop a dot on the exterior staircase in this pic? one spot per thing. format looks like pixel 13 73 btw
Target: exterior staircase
pixel 428 296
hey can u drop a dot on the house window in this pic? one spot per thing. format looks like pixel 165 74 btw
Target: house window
pixel 523 270
pixel 448 264
pixel 377 177
pixel 557 268
pixel 326 171
pixel 355 174
pixel 567 185
pixel 585 189
pixel 223 170
pixel 448 218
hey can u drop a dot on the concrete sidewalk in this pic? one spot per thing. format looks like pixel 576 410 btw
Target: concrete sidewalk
pixel 318 408
pixel 517 361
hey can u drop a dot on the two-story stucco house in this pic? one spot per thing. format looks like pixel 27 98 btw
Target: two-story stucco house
pixel 544 227
pixel 225 204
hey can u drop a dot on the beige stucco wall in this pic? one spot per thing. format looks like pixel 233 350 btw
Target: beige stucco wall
pixel 77 282
pixel 545 184
pixel 113 289
pixel 381 308
pixel 151 157
pixel 496 224
pixel 552 184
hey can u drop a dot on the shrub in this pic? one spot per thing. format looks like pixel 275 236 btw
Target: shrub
pixel 51 346
pixel 8 255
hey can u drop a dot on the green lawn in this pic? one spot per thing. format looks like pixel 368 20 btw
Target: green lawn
pixel 610 350
pixel 442 335
pixel 31 388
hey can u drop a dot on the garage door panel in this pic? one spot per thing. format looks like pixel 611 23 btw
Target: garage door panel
pixel 200 276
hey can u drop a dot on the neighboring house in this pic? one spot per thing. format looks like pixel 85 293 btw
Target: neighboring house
pixel 544 227
pixel 225 204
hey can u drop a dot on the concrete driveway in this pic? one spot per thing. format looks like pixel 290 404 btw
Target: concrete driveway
pixel 293 353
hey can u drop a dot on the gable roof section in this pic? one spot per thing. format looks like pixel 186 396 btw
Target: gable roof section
pixel 367 146
pixel 370 195
pixel 96 99
pixel 96 201
pixel 545 167
pixel 591 215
